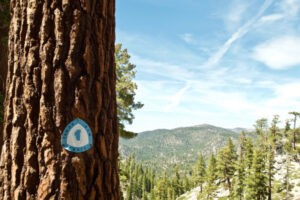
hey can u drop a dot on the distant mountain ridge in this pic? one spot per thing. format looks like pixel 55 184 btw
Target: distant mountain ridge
pixel 165 148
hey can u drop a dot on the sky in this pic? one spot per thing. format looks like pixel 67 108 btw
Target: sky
pixel 225 63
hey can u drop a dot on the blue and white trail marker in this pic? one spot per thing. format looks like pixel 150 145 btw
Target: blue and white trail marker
pixel 77 136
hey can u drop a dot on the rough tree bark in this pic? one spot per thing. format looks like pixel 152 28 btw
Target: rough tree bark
pixel 3 70
pixel 60 67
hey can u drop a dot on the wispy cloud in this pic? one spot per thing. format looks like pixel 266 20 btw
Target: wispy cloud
pixel 188 38
pixel 216 57
pixel 279 53
pixel 164 69
pixel 290 7
pixel 271 18
pixel 235 13
pixel 177 97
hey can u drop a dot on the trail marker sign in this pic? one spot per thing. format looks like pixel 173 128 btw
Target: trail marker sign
pixel 77 136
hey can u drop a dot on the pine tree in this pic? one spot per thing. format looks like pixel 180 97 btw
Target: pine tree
pixel 248 153
pixel 129 190
pixel 186 184
pixel 242 144
pixel 161 188
pixel 271 147
pixel 209 190
pixel 171 193
pixel 287 127
pixel 226 163
pixel 270 170
pixel 125 89
pixel 61 67
pixel 199 176
pixel 256 182
pixel 144 195
pixel 296 114
pixel 176 182
pixel 239 180
pixel 274 130
pixel 152 196
pixel 261 128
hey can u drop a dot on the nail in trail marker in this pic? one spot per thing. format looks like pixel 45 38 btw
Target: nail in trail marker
pixel 77 136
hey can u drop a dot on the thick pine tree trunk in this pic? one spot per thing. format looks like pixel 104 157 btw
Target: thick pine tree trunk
pixel 60 67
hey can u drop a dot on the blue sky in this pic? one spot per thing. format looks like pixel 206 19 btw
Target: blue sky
pixel 226 63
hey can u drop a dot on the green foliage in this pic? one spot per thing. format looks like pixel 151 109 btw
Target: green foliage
pixel 275 133
pixel 136 180
pixel 261 129
pixel 239 179
pixel 261 126
pixel 256 182
pixel 200 172
pixel 177 183
pixel 139 182
pixel 125 88
pixel 209 191
pixel 226 163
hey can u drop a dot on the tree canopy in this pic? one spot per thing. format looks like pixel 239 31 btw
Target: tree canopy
pixel 125 90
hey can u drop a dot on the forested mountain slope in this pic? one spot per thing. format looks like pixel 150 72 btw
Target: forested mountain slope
pixel 164 148
pixel 280 170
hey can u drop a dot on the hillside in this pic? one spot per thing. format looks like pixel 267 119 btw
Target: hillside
pixel 163 149
pixel 280 173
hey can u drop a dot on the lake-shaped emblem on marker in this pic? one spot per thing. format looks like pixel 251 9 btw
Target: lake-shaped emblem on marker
pixel 77 136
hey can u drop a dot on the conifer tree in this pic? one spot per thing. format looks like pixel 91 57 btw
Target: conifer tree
pixel 256 182
pixel 61 67
pixel 271 146
pixel 239 180
pixel 296 114
pixel 152 195
pixel 270 170
pixel 161 188
pixel 177 185
pixel 209 190
pixel 144 195
pixel 248 153
pixel 261 127
pixel 125 89
pixel 242 144
pixel 226 163
pixel 274 130
pixel 186 184
pixel 199 177
pixel 287 126
pixel 129 190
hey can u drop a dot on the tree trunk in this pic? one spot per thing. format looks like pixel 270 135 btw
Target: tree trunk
pixel 294 134
pixel 270 184
pixel 60 67
pixel 3 57
pixel 229 185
